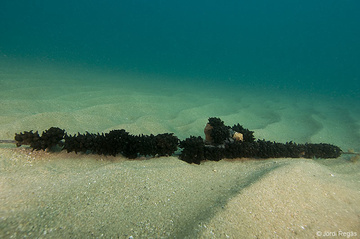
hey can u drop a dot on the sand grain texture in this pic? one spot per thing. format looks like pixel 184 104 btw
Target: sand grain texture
pixel 75 196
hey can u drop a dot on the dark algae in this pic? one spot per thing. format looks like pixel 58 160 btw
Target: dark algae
pixel 220 142
pixel 49 138
pixel 112 143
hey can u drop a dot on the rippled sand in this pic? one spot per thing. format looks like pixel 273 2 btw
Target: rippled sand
pixel 60 194
pixel 68 195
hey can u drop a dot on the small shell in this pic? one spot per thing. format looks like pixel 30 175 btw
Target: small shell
pixel 238 136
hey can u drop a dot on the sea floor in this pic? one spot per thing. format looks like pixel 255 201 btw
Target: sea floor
pixel 78 195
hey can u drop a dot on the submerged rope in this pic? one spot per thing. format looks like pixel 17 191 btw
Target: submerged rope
pixel 7 141
pixel 221 142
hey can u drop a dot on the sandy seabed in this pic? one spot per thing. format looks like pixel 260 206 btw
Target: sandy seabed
pixel 77 196
pixel 56 195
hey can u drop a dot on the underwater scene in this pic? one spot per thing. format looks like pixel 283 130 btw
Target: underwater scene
pixel 179 119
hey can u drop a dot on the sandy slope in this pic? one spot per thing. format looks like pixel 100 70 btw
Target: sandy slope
pixel 86 195
pixel 77 195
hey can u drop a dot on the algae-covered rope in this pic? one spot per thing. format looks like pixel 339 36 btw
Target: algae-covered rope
pixel 220 142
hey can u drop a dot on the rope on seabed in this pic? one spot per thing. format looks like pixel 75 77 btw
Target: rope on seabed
pixel 220 142
pixel 9 141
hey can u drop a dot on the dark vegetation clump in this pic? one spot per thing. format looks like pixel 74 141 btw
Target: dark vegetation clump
pixel 194 149
pixel 224 146
pixel 121 142
pixel 112 143
pixel 248 134
pixel 220 132
pixel 49 138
